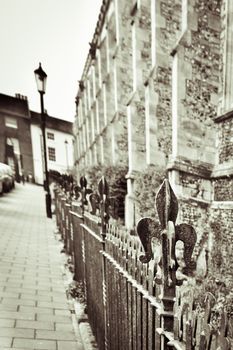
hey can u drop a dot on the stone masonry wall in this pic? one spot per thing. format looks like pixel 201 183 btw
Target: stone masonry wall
pixel 203 54
pixel 223 189
pixel 198 81
pixel 223 16
pixel 124 56
pixel 133 95
pixel 196 214
pixel 214 234
pixel 222 252
pixel 225 148
pixel 124 81
pixel 195 186
pixel 198 76
pixel 168 18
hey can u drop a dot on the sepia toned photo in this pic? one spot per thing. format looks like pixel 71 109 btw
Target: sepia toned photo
pixel 116 174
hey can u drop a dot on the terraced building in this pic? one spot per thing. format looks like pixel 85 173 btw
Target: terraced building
pixel 157 93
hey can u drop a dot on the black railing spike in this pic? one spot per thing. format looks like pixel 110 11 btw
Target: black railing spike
pixel 104 203
pixel 83 182
pixel 82 191
pixel 101 201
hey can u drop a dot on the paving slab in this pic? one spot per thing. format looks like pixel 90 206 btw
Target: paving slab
pixel 34 312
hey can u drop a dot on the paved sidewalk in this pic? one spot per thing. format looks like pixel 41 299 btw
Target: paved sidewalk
pixel 34 311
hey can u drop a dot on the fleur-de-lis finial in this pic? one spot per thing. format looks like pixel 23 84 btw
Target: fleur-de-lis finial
pixel 82 191
pixel 166 234
pixel 103 189
pixel 101 202
pixel 64 183
pixel 70 187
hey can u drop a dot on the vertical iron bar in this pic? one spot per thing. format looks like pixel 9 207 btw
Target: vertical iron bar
pixel 46 184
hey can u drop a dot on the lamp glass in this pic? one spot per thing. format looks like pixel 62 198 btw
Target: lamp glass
pixel 41 78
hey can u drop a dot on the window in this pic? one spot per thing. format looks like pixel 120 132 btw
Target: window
pixel 11 122
pixel 50 135
pixel 52 154
pixel 15 143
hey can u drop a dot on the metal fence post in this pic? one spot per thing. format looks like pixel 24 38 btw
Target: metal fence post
pixel 165 233
pixel 104 214
pixel 80 192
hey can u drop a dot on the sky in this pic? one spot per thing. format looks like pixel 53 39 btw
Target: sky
pixel 53 32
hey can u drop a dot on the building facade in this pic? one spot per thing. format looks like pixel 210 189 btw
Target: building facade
pixel 15 135
pixel 21 144
pixel 156 90
pixel 59 142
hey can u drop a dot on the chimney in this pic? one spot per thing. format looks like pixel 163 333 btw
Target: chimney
pixel 21 97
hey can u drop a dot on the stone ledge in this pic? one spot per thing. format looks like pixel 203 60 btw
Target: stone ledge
pixel 191 167
pixel 183 40
pixel 133 8
pixel 194 200
pixel 131 97
pixel 98 91
pixel 225 116
pixel 115 52
pixel 131 174
pixel 150 75
pixel 105 77
pixel 222 170
pixel 102 131
pixel 226 205
pixel 115 117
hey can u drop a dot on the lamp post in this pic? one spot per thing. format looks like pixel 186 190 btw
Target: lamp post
pixel 41 78
pixel 66 146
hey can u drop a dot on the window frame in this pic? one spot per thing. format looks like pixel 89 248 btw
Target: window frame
pixel 8 123
pixel 52 154
pixel 50 135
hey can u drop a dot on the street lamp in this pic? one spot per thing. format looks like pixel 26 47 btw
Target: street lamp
pixel 66 146
pixel 41 78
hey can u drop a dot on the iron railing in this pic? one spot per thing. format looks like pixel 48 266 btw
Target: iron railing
pixel 130 282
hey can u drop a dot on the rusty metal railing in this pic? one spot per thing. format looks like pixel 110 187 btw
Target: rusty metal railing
pixel 131 281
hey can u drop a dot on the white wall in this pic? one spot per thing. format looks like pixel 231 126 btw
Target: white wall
pixel 63 158
pixel 36 135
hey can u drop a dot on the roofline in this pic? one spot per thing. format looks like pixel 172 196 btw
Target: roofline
pixel 100 22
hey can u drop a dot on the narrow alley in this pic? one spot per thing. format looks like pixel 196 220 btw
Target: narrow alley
pixel 34 311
